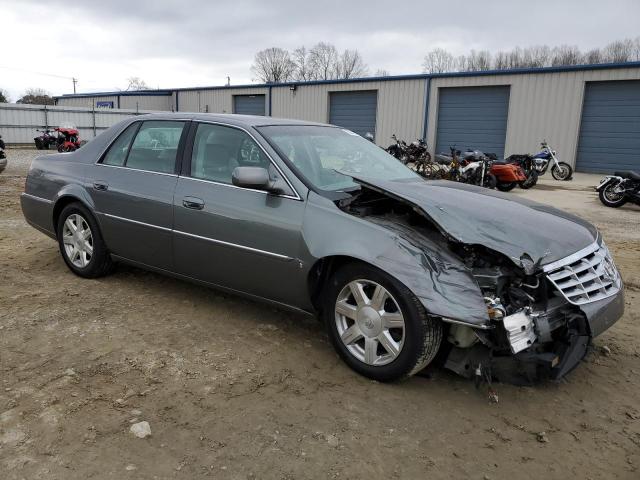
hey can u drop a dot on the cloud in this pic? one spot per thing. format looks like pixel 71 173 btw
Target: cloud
pixel 200 42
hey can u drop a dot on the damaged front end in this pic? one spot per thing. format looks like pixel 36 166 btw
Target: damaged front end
pixel 531 321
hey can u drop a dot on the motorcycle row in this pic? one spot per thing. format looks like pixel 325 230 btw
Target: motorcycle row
pixel 63 138
pixel 479 168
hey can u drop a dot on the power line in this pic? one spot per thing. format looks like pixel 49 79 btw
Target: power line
pixel 36 73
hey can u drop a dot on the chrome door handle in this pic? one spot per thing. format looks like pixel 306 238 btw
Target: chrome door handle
pixel 193 203
pixel 100 186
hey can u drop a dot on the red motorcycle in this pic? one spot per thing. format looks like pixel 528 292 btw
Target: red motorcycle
pixel 68 139
pixel 508 175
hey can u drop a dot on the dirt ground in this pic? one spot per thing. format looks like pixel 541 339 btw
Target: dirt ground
pixel 236 390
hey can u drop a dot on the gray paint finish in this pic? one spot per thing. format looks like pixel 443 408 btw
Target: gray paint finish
pixel 355 111
pixel 610 128
pixel 249 104
pixel 473 117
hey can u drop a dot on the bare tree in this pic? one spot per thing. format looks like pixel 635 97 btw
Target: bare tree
pixel 593 56
pixel 303 67
pixel 36 96
pixel 273 65
pixel 135 84
pixel 381 72
pixel 565 55
pixel 618 51
pixel 635 50
pixel 324 60
pixel 478 60
pixel 536 56
pixel 350 65
pixel 438 60
pixel 4 96
pixel 462 63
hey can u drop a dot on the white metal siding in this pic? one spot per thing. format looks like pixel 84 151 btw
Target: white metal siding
pixel 400 105
pixel 214 101
pixel 542 106
pixel 146 102
pixel 86 102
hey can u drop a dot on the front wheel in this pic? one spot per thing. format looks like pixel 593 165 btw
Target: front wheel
pixel 610 198
pixel 506 187
pixel 562 171
pixel 376 324
pixel 490 181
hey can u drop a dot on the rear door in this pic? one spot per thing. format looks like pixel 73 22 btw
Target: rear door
pixel 132 188
pixel 238 238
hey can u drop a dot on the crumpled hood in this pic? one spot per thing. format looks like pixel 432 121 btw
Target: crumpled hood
pixel 502 222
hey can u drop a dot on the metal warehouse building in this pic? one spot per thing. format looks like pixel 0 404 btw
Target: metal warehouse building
pixel 590 114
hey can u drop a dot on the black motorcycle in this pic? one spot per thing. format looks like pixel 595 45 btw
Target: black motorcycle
pixel 398 149
pixel 49 138
pixel 621 187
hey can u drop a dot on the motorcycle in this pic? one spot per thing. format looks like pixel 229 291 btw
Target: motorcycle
pixel 507 175
pixel 46 140
pixel 621 187
pixel 547 156
pixel 476 169
pixel 68 139
pixel 398 149
pixel 526 163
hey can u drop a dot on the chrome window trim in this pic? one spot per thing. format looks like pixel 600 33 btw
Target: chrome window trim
pixel 235 245
pixel 240 188
pixel 137 222
pixel 35 197
pixel 222 124
pixel 199 237
pixel 137 170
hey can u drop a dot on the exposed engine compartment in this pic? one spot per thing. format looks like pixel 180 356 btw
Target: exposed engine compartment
pixel 528 322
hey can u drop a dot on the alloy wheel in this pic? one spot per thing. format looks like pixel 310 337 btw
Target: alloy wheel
pixel 370 322
pixel 77 240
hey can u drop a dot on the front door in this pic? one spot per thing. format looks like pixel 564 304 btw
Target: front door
pixel 243 239
pixel 132 188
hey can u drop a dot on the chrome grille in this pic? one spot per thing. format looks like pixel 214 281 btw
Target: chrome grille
pixel 585 276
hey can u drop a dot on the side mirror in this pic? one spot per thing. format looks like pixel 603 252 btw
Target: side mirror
pixel 256 178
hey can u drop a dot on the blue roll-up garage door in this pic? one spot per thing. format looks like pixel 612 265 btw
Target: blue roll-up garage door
pixel 610 128
pixel 354 110
pixel 249 104
pixel 473 117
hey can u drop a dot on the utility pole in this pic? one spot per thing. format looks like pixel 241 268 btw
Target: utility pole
pixel 228 81
pixel 74 80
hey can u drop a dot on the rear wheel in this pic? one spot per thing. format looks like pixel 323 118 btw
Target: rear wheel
pixel 562 171
pixel 81 243
pixel 506 187
pixel 531 180
pixel 377 326
pixel 610 198
pixel 490 181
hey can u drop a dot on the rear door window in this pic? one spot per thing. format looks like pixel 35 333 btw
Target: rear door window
pixel 117 153
pixel 155 147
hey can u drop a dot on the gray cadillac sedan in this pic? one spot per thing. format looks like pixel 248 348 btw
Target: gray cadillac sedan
pixel 315 218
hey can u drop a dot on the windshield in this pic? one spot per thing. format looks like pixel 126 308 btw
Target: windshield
pixel 320 153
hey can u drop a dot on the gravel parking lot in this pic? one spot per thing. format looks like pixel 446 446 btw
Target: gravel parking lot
pixel 236 390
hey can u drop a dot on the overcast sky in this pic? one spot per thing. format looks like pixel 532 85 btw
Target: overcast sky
pixel 199 42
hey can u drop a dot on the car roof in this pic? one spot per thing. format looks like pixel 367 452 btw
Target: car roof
pixel 232 119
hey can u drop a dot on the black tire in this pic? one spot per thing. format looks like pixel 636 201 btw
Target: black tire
pixel 490 181
pixel 565 172
pixel 531 180
pixel 422 337
pixel 609 200
pixel 506 187
pixel 39 145
pixel 100 263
